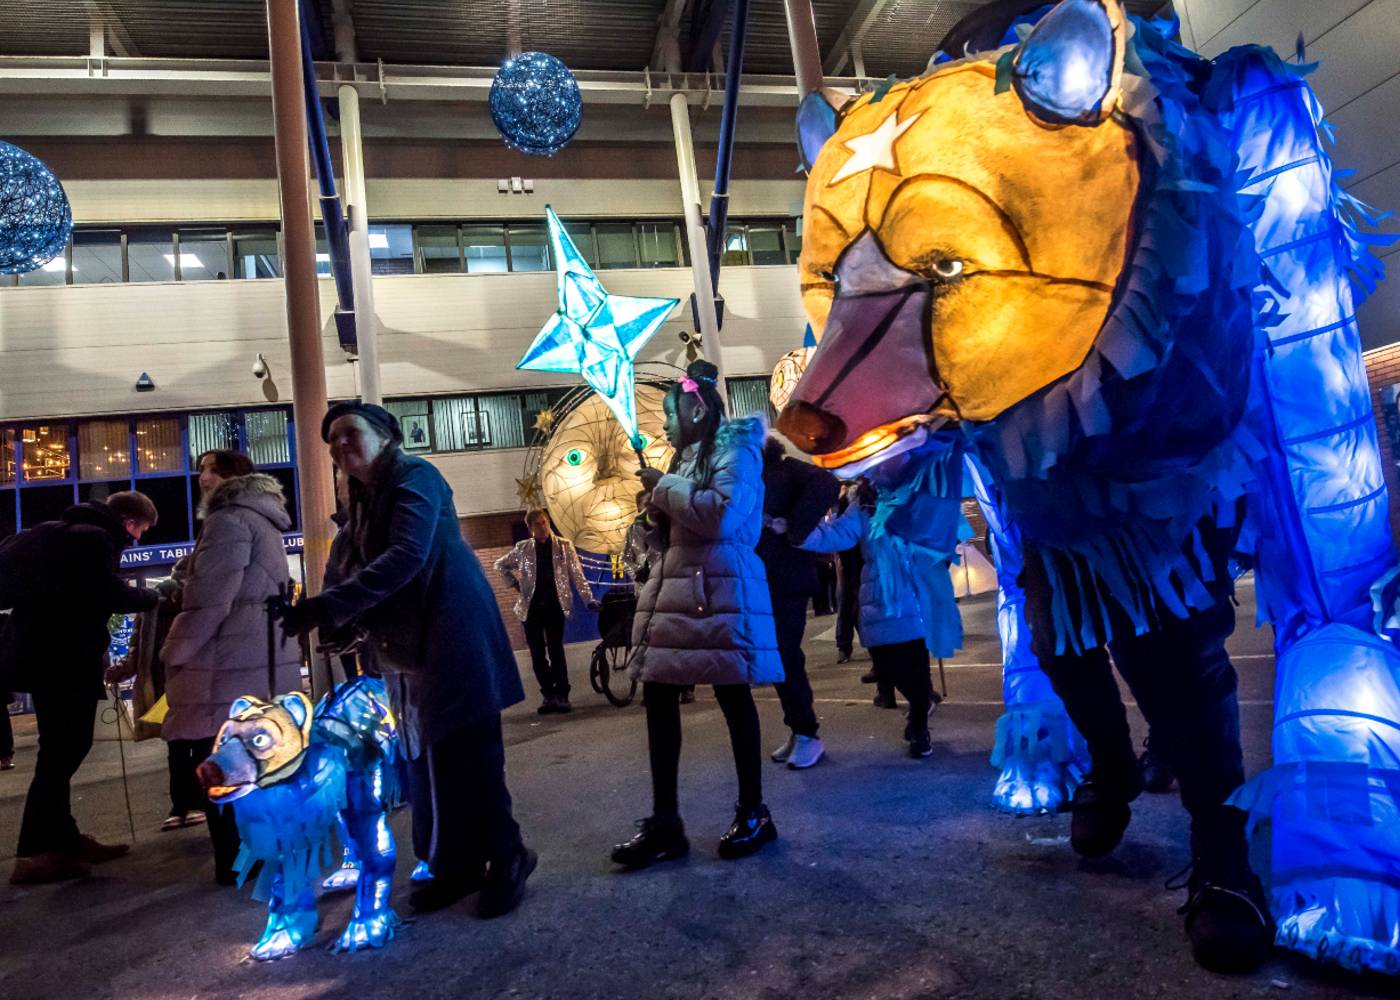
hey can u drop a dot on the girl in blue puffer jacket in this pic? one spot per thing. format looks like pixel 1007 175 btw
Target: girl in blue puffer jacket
pixel 907 608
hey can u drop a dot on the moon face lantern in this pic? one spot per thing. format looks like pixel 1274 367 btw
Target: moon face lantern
pixel 786 374
pixel 588 473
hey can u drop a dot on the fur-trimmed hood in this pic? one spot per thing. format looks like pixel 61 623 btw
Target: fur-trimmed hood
pixel 258 492
pixel 742 432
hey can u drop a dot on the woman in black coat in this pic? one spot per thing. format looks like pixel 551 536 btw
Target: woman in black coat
pixel 410 583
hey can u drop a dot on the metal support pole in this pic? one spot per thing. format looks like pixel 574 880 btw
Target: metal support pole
pixel 806 53
pixel 729 115
pixel 314 483
pixel 366 326
pixel 695 236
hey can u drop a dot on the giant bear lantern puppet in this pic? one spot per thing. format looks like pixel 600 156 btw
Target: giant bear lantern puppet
pixel 1124 278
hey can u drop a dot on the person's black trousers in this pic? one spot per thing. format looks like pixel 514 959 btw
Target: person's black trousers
pixel 848 600
pixel 544 632
pixel 795 691
pixel 186 756
pixel 664 743
pixel 906 665
pixel 1185 687
pixel 65 737
pixel 183 758
pixel 824 602
pixel 7 733
pixel 462 816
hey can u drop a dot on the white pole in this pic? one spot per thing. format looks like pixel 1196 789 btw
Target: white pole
pixel 366 325
pixel 695 237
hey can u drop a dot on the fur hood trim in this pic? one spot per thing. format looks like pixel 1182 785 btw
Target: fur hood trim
pixel 259 491
pixel 742 432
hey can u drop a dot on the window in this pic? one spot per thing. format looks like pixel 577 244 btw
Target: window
pixel 267 437
pixel 7 460
pixel 414 422
pixel 658 244
pixel 748 396
pixel 150 254
pixel 485 249
pixel 158 446
pixel 391 249
pixel 212 432
pixel 97 256
pixel 9 515
pixel 505 425
pixel 255 254
pixel 45 452
pixel 438 250
pixel 172 496
pixel 792 237
pixel 529 247
pixel 457 425
pixel 617 245
pixel 766 245
pixel 536 403
pixel 104 450
pixel 736 247
pixel 204 254
pixel 38 504
pixel 52 273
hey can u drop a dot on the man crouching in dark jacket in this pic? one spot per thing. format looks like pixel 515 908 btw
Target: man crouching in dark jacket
pixel 52 647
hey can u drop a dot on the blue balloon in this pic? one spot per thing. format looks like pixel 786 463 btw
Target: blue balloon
pixel 535 103
pixel 35 218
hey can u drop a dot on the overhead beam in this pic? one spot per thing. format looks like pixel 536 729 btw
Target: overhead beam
pixel 702 54
pixel 48 75
pixel 113 31
pixel 666 50
pixel 343 27
pixel 862 19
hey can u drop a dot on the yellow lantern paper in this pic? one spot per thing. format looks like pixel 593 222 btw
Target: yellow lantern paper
pixel 786 374
pixel 588 473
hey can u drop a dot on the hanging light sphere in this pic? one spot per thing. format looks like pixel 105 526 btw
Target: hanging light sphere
pixel 35 219
pixel 536 104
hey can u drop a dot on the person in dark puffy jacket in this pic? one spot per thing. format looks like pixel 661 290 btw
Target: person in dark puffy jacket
pixel 53 647
pixel 704 616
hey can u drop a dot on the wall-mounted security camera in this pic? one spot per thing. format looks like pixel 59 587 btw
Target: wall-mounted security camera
pixel 260 368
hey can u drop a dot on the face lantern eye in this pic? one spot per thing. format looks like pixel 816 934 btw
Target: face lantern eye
pixel 947 270
pixel 574 457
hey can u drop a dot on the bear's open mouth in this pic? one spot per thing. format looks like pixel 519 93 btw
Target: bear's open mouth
pixel 878 444
pixel 227 793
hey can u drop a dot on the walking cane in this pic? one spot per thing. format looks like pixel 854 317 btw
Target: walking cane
pixel 276 608
pixel 942 678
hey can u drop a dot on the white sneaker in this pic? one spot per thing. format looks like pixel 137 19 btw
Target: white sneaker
pixel 783 752
pixel 806 751
pixel 195 817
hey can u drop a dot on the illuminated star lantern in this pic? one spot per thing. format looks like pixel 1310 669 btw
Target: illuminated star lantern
pixel 875 150
pixel 595 334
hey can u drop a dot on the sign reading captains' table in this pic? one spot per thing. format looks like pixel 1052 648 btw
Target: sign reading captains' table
pixel 143 556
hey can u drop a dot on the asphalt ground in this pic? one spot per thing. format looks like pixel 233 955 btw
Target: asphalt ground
pixel 892 878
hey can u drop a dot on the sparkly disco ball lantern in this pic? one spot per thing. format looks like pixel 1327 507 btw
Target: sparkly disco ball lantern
pixel 535 104
pixel 35 219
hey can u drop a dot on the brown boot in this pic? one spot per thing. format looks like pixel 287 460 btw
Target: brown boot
pixel 51 866
pixel 93 853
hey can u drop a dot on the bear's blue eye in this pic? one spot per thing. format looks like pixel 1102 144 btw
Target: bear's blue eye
pixel 261 740
pixel 574 457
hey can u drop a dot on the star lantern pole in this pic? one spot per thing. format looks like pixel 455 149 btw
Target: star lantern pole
pixel 595 334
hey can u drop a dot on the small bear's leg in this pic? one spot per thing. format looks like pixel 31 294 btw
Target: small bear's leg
pixel 290 923
pixel 348 874
pixel 374 921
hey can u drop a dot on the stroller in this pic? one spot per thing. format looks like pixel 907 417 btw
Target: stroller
pixel 608 671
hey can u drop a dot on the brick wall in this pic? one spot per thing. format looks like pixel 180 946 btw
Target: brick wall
pixel 492 536
pixel 1382 369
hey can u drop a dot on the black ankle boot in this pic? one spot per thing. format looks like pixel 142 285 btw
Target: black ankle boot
pixel 1227 914
pixel 1100 815
pixel 751 830
pixel 658 839
pixel 1156 776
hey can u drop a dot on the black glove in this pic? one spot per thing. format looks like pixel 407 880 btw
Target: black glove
pixel 304 617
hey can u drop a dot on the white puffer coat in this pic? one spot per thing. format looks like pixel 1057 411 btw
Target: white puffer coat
pixel 216 651
pixel 704 615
